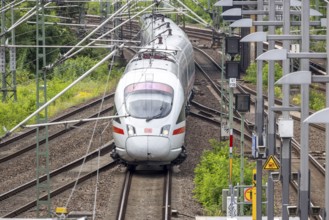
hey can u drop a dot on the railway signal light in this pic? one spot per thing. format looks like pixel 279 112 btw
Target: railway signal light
pixel 232 45
pixel 292 210
pixel 276 176
pixel 242 102
pixel 232 69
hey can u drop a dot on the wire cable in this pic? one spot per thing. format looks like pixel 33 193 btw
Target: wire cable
pixel 98 161
pixel 87 151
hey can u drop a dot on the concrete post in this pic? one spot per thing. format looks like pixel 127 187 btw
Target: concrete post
pixel 285 156
pixel 259 113
pixel 327 127
pixel 271 116
pixel 304 200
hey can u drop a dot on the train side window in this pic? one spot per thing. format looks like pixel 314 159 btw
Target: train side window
pixel 181 116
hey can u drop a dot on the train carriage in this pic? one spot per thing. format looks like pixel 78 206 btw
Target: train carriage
pixel 154 91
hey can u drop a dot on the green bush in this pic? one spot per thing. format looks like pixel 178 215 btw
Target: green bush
pixel 317 100
pixel 93 8
pixel 212 176
pixel 73 68
pixel 277 92
pixel 251 75
pixel 12 113
pixel 251 71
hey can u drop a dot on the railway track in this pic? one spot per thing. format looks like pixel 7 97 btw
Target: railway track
pixel 21 199
pixel 316 162
pixel 203 112
pixel 146 194
pixel 18 160
pixel 319 153
pixel 8 154
pixel 74 112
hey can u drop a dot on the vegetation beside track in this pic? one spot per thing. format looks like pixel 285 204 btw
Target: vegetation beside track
pixel 317 100
pixel 212 176
pixel 11 113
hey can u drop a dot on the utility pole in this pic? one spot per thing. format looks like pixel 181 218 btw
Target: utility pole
pixel 271 128
pixel 42 117
pixel 304 197
pixel 259 115
pixel 3 54
pixel 118 34
pixel 242 105
pixel 82 16
pixel 286 144
pixel 12 54
pixel 104 11
pixel 8 79
pixel 326 210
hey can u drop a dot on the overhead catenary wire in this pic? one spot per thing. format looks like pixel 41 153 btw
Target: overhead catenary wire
pixel 61 93
pixel 8 6
pixel 65 24
pixel 182 11
pixel 56 46
pixel 24 18
pixel 110 31
pixel 76 46
pixel 75 121
pixel 88 149
pixel 95 30
pixel 112 40
pixel 98 161
pixel 193 13
pixel 50 7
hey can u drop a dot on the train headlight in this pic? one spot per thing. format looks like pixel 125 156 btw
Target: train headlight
pixel 131 130
pixel 165 130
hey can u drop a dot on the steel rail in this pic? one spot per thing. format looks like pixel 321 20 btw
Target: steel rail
pixel 311 158
pixel 59 94
pixel 167 194
pixel 216 122
pixel 124 195
pixel 60 118
pixel 103 150
pixel 217 87
pixel 279 102
pixel 51 137
pixel 61 189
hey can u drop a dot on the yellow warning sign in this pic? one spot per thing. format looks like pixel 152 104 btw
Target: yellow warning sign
pixel 248 194
pixel 271 164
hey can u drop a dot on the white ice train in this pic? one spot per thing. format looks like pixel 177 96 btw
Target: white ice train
pixel 154 91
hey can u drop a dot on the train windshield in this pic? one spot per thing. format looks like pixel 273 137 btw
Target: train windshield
pixel 148 100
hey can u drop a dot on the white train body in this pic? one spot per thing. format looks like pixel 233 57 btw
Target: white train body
pixel 154 92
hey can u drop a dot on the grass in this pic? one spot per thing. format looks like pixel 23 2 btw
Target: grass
pixel 12 113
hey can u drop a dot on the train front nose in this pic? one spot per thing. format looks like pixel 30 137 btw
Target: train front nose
pixel 148 148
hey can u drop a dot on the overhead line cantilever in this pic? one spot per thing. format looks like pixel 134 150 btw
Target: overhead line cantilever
pixel 65 56
pixel 96 29
pixel 61 93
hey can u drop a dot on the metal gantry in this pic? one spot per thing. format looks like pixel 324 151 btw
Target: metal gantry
pixel 82 16
pixel 8 78
pixel 104 11
pixel 3 55
pixel 304 11
pixel 8 83
pixel 12 57
pixel 42 117
pixel 271 132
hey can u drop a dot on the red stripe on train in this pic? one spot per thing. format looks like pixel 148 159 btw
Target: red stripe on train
pixel 179 131
pixel 118 130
